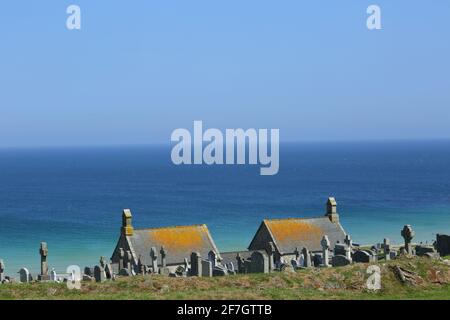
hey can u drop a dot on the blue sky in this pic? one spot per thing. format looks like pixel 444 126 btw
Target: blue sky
pixel 139 69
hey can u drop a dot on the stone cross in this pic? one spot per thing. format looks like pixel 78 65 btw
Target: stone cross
pixel 348 241
pixel 154 258
pixel 270 252
pixel 325 242
pixel 129 259
pixel 408 234
pixel 121 258
pixel 196 264
pixel 43 251
pixel 2 270
pixel 387 249
pixel 307 258
pixel 102 261
pixel 163 256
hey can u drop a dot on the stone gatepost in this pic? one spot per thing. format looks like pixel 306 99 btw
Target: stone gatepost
pixel 325 242
pixel 2 270
pixel 43 251
pixel 270 252
pixel 154 258
pixel 163 253
pixel 306 257
pixel 196 264
pixel 121 259
pixel 408 234
pixel 387 249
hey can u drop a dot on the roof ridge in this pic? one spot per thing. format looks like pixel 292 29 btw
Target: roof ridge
pixel 172 227
pixel 309 218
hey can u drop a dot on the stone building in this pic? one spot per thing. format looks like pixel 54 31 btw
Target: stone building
pixel 287 237
pixel 169 246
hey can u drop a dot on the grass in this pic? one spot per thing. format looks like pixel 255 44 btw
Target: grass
pixel 433 282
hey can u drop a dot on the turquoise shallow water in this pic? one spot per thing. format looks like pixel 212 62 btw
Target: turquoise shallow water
pixel 72 197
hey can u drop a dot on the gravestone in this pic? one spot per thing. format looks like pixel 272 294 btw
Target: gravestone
pixel 207 268
pixel 387 249
pixel 53 276
pixel 89 271
pixel 306 257
pixel 408 234
pixel 348 241
pixel 421 250
pixel 163 253
pixel 340 249
pixel 2 271
pixel 24 275
pixel 325 243
pixel 294 263
pixel 196 264
pixel 348 253
pixel 121 258
pixel 270 249
pixel 141 266
pixel 212 256
pixel 186 264
pixel 393 254
pixel 317 260
pixel 219 271
pixel 180 271
pixel 109 271
pixel 99 274
pixel 340 261
pixel 154 259
pixel 102 262
pixel 240 262
pixel 361 256
pixel 230 267
pixel 124 272
pixel 259 262
pixel 443 244
pixel 129 257
pixel 43 251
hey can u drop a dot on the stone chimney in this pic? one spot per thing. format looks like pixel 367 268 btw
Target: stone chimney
pixel 332 210
pixel 127 228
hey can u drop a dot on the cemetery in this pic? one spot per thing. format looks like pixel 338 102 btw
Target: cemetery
pixel 316 252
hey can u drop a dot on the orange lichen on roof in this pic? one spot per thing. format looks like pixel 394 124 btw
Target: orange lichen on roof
pixel 294 229
pixel 179 239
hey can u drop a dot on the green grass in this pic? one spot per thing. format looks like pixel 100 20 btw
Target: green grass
pixel 331 283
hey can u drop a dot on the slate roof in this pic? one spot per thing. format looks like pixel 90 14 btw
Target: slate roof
pixel 288 234
pixel 179 242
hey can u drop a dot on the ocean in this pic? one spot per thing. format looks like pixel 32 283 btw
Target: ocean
pixel 72 198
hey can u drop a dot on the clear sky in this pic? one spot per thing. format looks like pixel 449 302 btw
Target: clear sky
pixel 139 69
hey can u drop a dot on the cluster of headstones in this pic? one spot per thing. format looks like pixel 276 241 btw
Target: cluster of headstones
pixel 25 275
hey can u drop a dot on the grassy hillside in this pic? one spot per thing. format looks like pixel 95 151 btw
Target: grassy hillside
pixel 432 281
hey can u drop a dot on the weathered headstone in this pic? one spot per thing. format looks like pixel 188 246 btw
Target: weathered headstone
pixel 207 268
pixel 240 262
pixel 259 262
pixel 196 264
pixel 408 234
pixel 109 271
pixel 230 267
pixel 2 271
pixel 129 260
pixel 163 253
pixel 340 261
pixel 387 249
pixel 348 253
pixel 325 243
pixel 43 251
pixel 99 274
pixel 270 249
pixel 141 266
pixel 421 250
pixel 361 256
pixel 154 259
pixel 121 258
pixel 306 257
pixel 212 256
pixel 54 277
pixel 24 275
pixel 340 249
pixel 186 264
pixel 443 244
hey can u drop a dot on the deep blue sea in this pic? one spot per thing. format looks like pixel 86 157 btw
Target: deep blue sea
pixel 73 197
